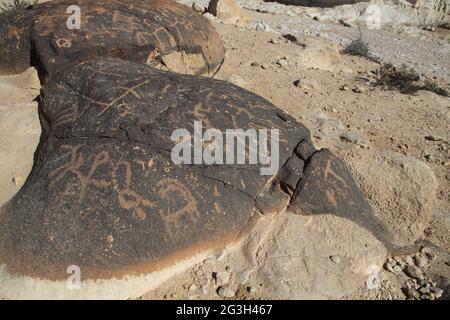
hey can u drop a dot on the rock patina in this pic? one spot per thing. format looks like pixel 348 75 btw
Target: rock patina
pixel 160 32
pixel 104 194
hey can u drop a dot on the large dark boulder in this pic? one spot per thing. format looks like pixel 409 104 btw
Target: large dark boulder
pixel 105 195
pixel 158 32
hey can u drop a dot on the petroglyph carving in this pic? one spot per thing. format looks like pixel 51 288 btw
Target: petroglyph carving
pixel 165 189
pixel 74 164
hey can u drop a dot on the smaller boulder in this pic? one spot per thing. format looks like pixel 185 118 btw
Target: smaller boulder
pixel 401 189
pixel 229 12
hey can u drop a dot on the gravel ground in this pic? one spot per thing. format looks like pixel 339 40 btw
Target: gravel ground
pixel 413 46
pixel 428 57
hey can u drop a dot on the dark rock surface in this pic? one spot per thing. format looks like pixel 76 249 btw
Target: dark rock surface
pixel 328 187
pixel 139 31
pixel 105 195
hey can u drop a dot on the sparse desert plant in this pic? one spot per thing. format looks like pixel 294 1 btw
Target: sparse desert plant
pixel 358 47
pixel 407 80
pixel 403 78
pixel 434 87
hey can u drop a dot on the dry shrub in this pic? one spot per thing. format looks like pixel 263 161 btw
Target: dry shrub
pixel 407 80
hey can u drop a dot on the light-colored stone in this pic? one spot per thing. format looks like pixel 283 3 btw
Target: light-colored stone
pixel 192 287
pixel 355 138
pixel 409 261
pixel 414 272
pixel 20 130
pixel 438 292
pixel 319 54
pixel 226 292
pixel 307 84
pixel 229 12
pixel 324 127
pixel 21 88
pixel 335 259
pixel 238 80
pixel 420 260
pixel 222 278
pixel 401 189
pixel 182 62
pixel 282 62
pixel 294 262
pixel 198 7
pixel 209 16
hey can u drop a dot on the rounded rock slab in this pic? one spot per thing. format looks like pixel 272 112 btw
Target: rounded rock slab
pixel 104 194
pixel 162 33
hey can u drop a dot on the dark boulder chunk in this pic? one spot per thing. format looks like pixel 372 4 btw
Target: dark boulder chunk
pixel 292 173
pixel 104 193
pixel 328 188
pixel 305 150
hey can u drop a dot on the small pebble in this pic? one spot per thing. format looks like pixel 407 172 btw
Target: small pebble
pixel 433 137
pixel 282 62
pixel 438 292
pixel 420 260
pixel 192 287
pixel 429 296
pixel 222 278
pixel 409 261
pixel 428 253
pixel 397 269
pixel 409 284
pixel 359 89
pixel 198 8
pixel 335 259
pixel 424 290
pixel 414 272
pixel 226 292
pixel 422 282
pixel 411 293
pixel 273 41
